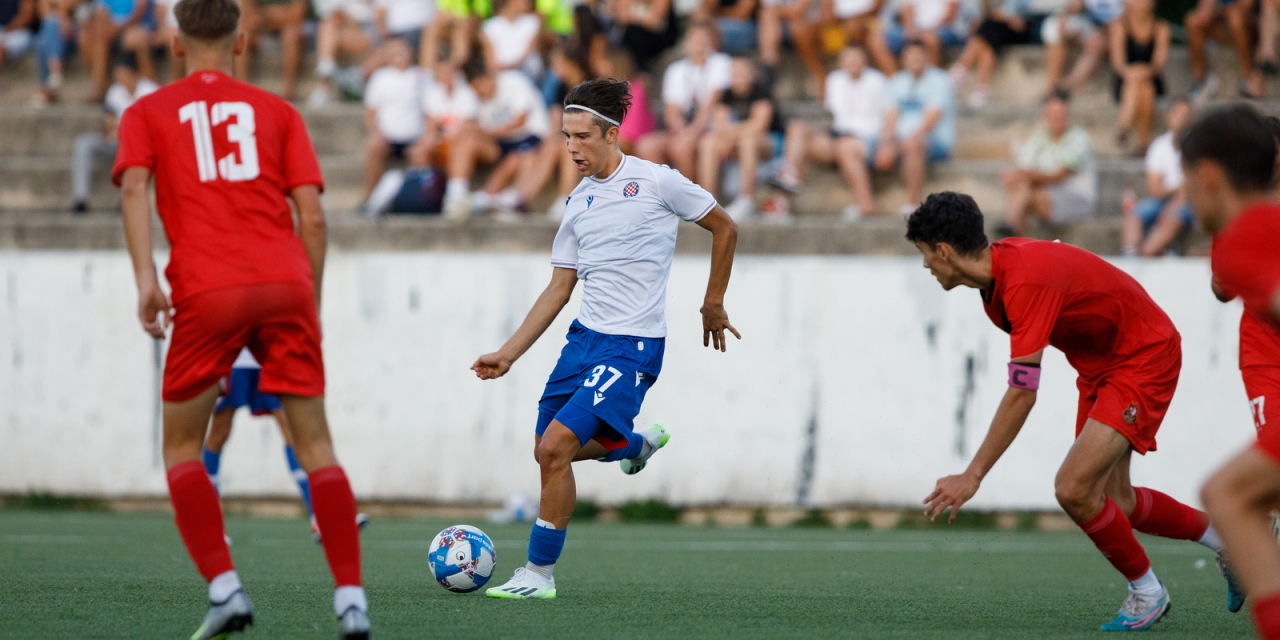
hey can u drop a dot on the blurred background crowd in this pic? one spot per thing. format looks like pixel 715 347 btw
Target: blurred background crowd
pixel 462 97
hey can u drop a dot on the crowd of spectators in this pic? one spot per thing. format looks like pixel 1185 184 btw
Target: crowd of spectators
pixel 465 85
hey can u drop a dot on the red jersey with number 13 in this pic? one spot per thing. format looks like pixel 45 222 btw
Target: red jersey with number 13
pixel 225 154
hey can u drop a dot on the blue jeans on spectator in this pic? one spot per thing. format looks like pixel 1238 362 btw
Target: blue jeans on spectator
pixel 1149 208
pixel 50 46
pixel 737 37
pixel 896 37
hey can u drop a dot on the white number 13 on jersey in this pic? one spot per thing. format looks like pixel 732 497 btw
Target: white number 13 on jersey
pixel 240 131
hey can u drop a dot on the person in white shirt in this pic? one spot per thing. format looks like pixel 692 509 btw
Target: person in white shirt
pixel 129 86
pixel 919 122
pixel 1150 225
pixel 510 126
pixel 936 23
pixel 510 38
pixel 691 89
pixel 860 22
pixel 448 104
pixel 618 237
pixel 855 98
pixel 393 111
pixel 408 20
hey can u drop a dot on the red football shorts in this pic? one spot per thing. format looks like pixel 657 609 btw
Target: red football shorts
pixel 1262 385
pixel 1133 399
pixel 276 320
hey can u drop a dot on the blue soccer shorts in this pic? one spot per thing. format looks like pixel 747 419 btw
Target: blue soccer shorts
pixel 604 376
pixel 241 390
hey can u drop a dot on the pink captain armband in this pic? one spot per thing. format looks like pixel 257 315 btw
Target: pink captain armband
pixel 1024 376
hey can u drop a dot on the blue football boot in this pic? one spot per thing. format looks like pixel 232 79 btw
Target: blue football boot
pixel 1140 613
pixel 1235 593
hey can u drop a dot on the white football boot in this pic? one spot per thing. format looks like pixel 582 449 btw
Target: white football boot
pixel 657 437
pixel 525 585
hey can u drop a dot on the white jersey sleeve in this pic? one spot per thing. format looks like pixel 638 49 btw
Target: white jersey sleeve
pixel 564 249
pixel 684 198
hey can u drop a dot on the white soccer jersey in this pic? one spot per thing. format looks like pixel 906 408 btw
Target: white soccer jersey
pixel 620 234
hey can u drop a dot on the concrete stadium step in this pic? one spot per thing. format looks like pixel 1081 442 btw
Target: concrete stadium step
pixel 52 230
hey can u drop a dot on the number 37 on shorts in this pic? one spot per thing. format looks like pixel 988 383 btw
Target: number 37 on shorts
pixel 602 377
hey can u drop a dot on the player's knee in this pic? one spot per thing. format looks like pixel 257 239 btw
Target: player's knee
pixel 551 456
pixel 1072 495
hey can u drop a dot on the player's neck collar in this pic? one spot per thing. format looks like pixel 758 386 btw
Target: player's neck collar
pixel 613 175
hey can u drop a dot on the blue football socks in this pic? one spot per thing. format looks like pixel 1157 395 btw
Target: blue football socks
pixel 635 445
pixel 545 543
pixel 300 477
pixel 212 460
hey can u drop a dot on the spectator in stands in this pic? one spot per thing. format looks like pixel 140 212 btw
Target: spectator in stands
pixel 1139 49
pixel 459 20
pixel 510 126
pixel 640 121
pixel 128 87
pixel 1012 23
pixel 448 103
pixel 919 121
pixel 590 36
pixel 343 34
pixel 115 23
pixel 410 21
pixel 511 37
pixel 855 97
pixel 746 125
pixel 800 18
pixel 691 88
pixel 393 111
pixel 648 29
pixel 1164 213
pixel 570 67
pixel 736 22
pixel 860 22
pixel 55 36
pixel 1055 178
pixel 274 16
pixel 1082 22
pixel 1229 22
pixel 936 23
pixel 1268 32
pixel 17 17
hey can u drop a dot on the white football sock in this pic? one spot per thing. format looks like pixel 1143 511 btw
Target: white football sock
pixel 481 200
pixel 456 188
pixel 346 597
pixel 1147 585
pixel 1210 539
pixel 222 586
pixel 544 570
pixel 326 67
pixel 646 449
pixel 507 199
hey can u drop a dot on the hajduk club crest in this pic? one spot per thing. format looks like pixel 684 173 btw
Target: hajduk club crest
pixel 630 190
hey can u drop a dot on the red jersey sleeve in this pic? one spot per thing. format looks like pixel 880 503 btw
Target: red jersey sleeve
pixel 1032 311
pixel 136 148
pixel 1246 263
pixel 301 167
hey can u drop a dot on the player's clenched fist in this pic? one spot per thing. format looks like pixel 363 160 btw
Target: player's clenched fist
pixel 152 303
pixel 715 321
pixel 491 365
pixel 951 491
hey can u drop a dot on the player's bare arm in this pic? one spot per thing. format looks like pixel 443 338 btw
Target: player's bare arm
pixel 544 312
pixel 724 238
pixel 952 492
pixel 312 230
pixel 136 205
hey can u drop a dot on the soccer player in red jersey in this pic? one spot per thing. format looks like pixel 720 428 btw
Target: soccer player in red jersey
pixel 226 158
pixel 1127 355
pixel 1229 159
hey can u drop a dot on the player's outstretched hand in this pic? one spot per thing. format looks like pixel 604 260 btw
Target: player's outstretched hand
pixel 950 492
pixel 715 321
pixel 491 365
pixel 153 304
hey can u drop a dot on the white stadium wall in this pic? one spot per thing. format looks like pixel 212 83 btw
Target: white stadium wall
pixel 850 385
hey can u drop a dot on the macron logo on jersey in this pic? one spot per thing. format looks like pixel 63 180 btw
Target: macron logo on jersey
pixel 590 199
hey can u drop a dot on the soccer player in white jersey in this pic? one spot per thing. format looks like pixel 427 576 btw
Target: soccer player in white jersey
pixel 618 236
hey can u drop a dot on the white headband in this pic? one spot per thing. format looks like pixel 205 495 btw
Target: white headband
pixel 595 113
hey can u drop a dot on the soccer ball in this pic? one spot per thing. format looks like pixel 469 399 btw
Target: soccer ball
pixel 461 558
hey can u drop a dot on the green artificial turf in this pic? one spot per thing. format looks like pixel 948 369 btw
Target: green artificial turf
pixel 99 575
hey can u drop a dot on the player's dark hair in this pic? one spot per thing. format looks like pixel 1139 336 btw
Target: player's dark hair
pixel 474 69
pixel 1237 138
pixel 606 96
pixel 950 217
pixel 209 20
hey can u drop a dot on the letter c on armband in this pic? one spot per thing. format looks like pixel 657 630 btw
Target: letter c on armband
pixel 1024 376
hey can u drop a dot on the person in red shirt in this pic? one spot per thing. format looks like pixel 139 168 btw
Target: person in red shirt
pixel 227 157
pixel 1127 355
pixel 1229 159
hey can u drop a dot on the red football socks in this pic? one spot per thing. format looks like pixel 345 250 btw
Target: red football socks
pixel 335 509
pixel 199 518
pixel 1159 515
pixel 1113 535
pixel 1266 616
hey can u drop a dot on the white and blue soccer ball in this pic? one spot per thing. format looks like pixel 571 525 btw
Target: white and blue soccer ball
pixel 461 558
